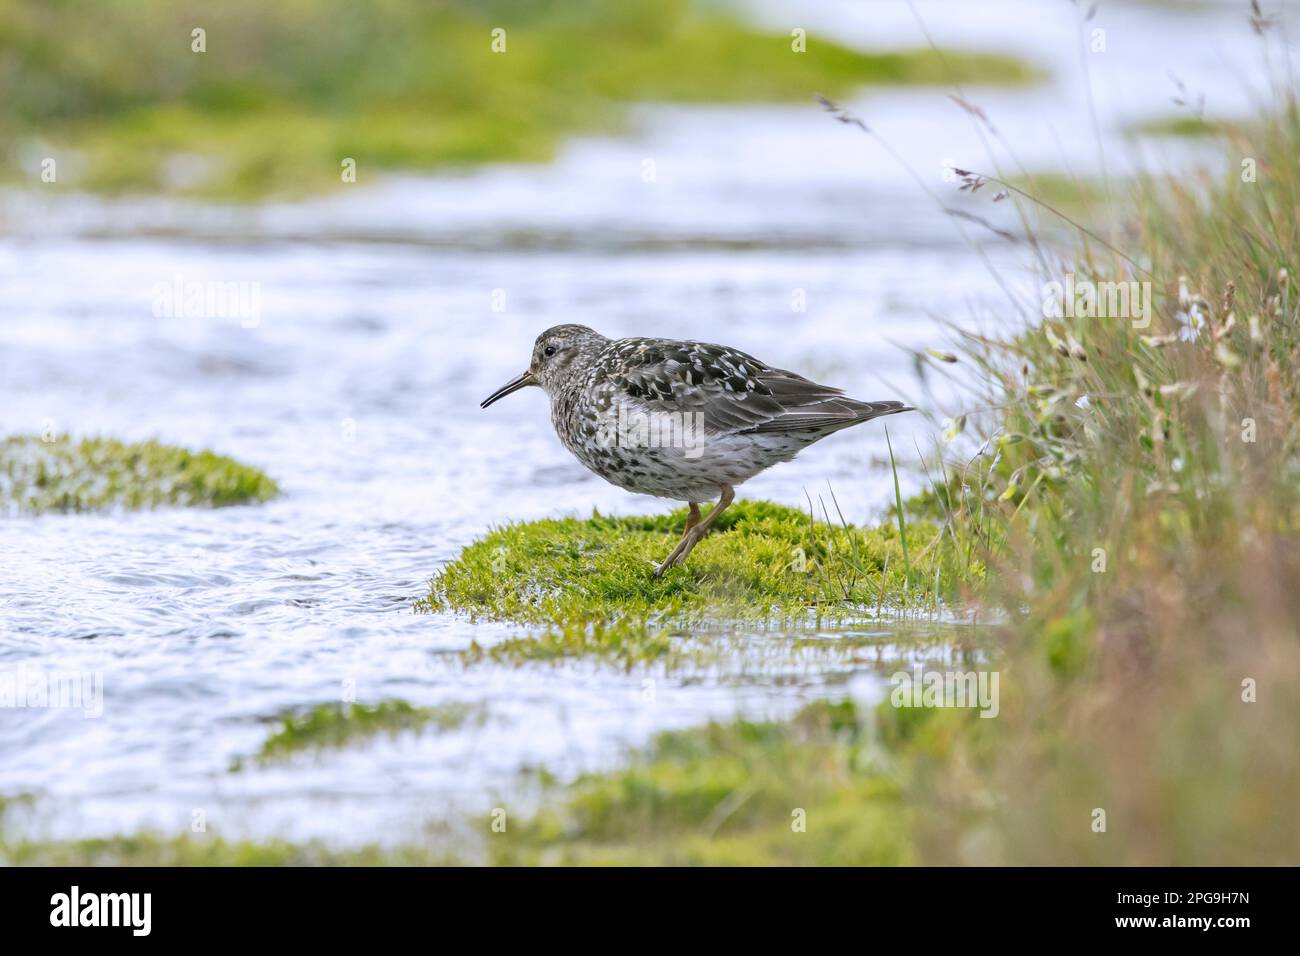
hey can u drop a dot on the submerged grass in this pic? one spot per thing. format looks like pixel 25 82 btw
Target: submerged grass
pixel 40 475
pixel 336 725
pixel 626 643
pixel 762 561
pixel 730 650
pixel 281 95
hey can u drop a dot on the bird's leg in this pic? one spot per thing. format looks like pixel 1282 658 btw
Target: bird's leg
pixel 694 517
pixel 692 520
pixel 695 532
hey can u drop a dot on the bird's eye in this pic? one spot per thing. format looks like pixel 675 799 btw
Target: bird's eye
pixel 548 351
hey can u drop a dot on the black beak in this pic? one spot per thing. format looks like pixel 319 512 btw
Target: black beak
pixel 523 381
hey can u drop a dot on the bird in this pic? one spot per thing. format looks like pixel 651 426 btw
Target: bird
pixel 684 420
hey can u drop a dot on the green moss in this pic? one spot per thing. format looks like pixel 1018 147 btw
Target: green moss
pixel 761 561
pixel 333 726
pixel 101 474
pixel 812 790
pixel 392 85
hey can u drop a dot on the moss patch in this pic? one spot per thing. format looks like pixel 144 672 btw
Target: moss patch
pixel 761 561
pixel 103 474
pixel 333 726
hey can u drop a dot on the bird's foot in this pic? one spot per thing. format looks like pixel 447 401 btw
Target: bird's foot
pixel 688 542
pixel 662 567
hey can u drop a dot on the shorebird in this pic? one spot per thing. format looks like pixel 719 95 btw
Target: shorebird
pixel 682 420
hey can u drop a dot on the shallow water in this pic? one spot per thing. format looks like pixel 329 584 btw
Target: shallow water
pixel 357 389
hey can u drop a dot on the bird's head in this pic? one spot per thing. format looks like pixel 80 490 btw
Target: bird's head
pixel 559 352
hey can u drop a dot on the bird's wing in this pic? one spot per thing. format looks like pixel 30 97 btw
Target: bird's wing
pixel 735 392
pixel 810 407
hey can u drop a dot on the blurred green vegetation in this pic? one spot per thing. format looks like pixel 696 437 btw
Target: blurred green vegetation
pixel 102 474
pixel 155 849
pixel 821 788
pixel 286 91
pixel 1184 125
pixel 818 789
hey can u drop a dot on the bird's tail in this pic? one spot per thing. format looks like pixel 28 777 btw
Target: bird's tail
pixel 866 411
